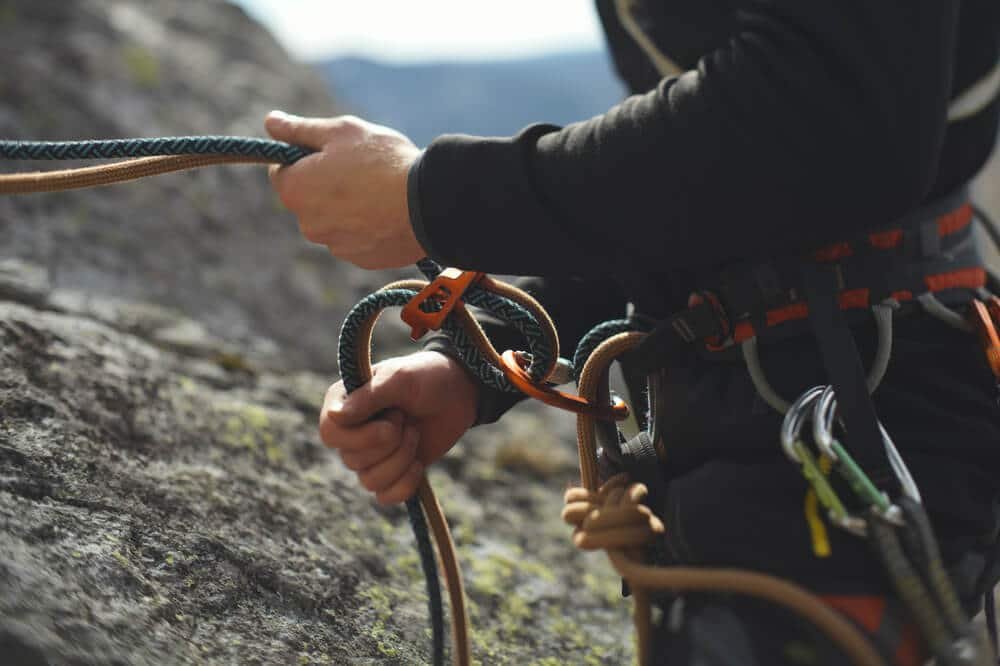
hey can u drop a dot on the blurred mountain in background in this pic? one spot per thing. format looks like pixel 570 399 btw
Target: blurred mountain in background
pixel 485 98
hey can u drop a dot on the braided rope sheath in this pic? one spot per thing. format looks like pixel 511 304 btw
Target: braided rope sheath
pixel 264 149
pixel 642 578
pixel 144 158
pixel 354 357
pixel 512 306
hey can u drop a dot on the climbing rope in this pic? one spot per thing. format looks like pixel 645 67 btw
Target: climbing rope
pixel 143 158
pixel 152 156
pixel 611 515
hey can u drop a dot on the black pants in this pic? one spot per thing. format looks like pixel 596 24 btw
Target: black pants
pixel 733 499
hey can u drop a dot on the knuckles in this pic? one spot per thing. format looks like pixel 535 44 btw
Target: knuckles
pixel 401 491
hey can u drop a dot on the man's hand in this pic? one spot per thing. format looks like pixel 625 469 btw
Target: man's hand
pixel 351 194
pixel 410 414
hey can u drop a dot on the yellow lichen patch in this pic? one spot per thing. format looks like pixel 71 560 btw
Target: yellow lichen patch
pixel 255 428
pixel 381 602
pixel 8 14
pixel 142 66
pixel 533 452
pixel 233 362
pixel 605 587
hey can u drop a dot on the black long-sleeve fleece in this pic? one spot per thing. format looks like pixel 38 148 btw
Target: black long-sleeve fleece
pixel 814 120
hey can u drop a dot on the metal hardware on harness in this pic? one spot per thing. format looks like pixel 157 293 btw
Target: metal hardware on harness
pixel 513 365
pixel 798 452
pixel 823 423
pixel 446 290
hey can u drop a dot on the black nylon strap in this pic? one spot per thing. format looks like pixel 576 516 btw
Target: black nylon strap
pixel 670 343
pixel 843 367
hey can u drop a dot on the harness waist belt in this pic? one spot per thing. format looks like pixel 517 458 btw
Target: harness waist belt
pixel 932 252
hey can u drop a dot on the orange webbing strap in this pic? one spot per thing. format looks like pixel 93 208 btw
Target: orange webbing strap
pixel 872 613
pixel 601 515
pixel 853 299
pixel 119 172
pixel 986 319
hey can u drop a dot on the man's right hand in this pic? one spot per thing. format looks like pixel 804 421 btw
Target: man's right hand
pixel 410 414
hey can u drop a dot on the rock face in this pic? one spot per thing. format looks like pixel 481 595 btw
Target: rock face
pixel 157 507
pixel 215 243
pixel 163 496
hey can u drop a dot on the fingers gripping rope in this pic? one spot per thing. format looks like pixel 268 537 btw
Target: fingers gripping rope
pixel 478 355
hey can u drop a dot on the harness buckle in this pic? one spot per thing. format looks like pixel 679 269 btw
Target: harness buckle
pixel 985 319
pixel 513 365
pixel 446 289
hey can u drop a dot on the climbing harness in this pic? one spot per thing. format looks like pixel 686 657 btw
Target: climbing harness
pixel 928 263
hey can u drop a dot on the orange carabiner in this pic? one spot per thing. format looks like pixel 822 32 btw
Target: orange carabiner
pixel 986 318
pixel 513 366
pixel 447 288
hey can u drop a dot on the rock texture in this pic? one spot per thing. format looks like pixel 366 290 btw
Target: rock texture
pixel 157 507
pixel 215 243
pixel 165 347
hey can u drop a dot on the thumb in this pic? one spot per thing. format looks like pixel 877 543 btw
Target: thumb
pixel 306 132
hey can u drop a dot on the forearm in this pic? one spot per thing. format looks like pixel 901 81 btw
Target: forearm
pixel 816 121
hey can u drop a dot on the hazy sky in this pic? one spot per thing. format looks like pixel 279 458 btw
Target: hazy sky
pixel 429 29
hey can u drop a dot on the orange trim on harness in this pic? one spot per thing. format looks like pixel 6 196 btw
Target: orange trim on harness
pixel 447 288
pixel 947 224
pixel 513 366
pixel 967 278
pixel 985 319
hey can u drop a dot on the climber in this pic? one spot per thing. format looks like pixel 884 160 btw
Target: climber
pixel 757 132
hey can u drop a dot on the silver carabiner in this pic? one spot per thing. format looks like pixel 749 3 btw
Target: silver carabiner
pixel 791 426
pixel 823 424
pixel 823 418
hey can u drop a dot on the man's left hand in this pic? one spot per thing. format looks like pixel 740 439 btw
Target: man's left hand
pixel 351 194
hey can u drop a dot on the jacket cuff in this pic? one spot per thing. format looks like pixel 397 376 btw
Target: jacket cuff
pixel 413 206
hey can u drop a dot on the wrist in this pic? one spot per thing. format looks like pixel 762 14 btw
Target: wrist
pixel 467 388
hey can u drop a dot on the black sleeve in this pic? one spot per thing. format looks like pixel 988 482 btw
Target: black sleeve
pixel 575 306
pixel 818 119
